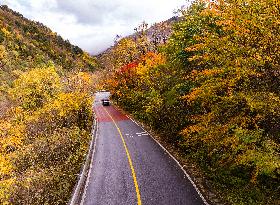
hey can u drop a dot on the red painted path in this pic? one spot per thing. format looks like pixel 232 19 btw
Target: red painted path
pixel 102 115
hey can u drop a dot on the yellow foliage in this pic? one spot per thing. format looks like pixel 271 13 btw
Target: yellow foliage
pixel 192 129
pixel 3 53
pixel 193 94
pixel 5 191
pixel 35 87
pixel 6 32
pixel 6 167
pixel 196 47
pixel 150 61
pixel 82 82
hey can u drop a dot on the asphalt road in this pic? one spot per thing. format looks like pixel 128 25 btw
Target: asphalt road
pixel 129 167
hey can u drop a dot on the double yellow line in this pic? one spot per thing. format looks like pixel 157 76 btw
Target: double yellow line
pixel 129 160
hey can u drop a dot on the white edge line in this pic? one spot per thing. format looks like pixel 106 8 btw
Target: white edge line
pixel 178 163
pixel 90 167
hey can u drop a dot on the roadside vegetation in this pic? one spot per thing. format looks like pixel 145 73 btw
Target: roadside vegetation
pixel 45 114
pixel 213 90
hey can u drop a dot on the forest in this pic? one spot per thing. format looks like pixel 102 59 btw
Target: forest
pixel 213 90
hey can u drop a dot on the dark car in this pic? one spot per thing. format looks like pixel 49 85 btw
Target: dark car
pixel 105 102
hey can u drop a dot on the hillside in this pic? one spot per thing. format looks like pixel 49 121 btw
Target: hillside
pixel 26 44
pixel 33 41
pixel 212 91
pixel 45 112
pixel 144 37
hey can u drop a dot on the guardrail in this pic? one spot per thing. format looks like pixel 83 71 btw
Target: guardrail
pixel 79 188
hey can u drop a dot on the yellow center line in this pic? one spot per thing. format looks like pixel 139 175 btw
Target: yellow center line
pixel 129 160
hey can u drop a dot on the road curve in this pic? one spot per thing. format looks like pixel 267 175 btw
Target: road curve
pixel 128 167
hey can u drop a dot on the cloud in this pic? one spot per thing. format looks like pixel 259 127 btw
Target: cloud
pixel 93 24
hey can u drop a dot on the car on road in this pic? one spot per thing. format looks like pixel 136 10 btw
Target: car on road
pixel 105 102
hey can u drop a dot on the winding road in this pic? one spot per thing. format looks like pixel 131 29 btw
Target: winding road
pixel 129 167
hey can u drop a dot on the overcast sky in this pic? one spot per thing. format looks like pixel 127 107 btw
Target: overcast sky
pixel 93 24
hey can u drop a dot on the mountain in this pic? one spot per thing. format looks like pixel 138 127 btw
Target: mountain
pixel 26 43
pixel 144 39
